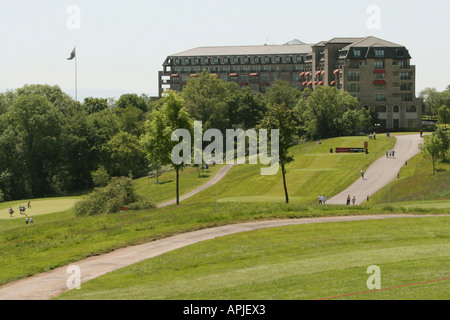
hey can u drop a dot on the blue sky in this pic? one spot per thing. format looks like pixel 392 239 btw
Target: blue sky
pixel 121 45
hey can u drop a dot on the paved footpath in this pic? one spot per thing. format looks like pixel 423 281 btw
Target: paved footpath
pixel 47 285
pixel 381 172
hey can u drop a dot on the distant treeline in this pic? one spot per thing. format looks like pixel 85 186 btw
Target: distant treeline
pixel 52 145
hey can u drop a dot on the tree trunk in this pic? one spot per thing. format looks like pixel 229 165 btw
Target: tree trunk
pixel 284 183
pixel 178 190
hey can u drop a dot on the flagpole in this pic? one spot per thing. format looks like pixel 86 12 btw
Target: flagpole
pixel 76 80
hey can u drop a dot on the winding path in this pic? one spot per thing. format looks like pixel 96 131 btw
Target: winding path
pixel 381 172
pixel 47 285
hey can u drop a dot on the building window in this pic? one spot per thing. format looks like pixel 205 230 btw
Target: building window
pixel 178 61
pixel 256 68
pixel 254 87
pixel 266 68
pixel 396 109
pixel 197 61
pixel 411 123
pixel 357 53
pixel 278 59
pixel 246 68
pixel 224 78
pixel 405 86
pixel 407 97
pixel 216 60
pixel 244 78
pixel 207 61
pixel 400 52
pixel 379 64
pixel 380 97
pixel 353 87
pixel 381 109
pixel 236 60
pixel 257 60
pixel 236 69
pixel 187 61
pixel 225 69
pixel 288 59
pixel 267 60
pixel 264 77
pixel 353 76
pixel 226 60
pixel 411 109
pixel 379 53
pixel 299 68
pixel 380 75
pixel 299 59
pixel 247 60
pixel 405 76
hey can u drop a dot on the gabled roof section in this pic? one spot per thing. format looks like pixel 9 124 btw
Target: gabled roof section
pixel 246 50
pixel 371 41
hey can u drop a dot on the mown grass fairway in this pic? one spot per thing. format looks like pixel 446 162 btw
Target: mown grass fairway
pixel 38 207
pixel 297 262
pixel 315 171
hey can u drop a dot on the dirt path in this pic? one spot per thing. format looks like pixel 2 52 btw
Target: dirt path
pixel 381 172
pixel 51 284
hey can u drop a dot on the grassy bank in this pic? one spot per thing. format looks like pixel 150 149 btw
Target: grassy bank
pixel 296 262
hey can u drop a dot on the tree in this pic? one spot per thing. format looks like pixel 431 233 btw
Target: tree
pixel 282 92
pixel 32 144
pixel 132 99
pixel 124 155
pixel 157 141
pixel 280 117
pixel 445 142
pixel 327 112
pixel 444 115
pixel 432 147
pixel 100 177
pixel 205 99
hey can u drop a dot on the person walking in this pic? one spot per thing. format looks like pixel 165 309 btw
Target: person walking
pixel 11 211
pixel 393 154
pixel 353 200
pixel 348 200
pixel 362 174
pixel 320 199
pixel 324 199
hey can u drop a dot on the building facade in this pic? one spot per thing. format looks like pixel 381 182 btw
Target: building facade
pixel 375 71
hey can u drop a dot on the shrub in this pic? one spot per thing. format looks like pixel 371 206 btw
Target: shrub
pixel 120 192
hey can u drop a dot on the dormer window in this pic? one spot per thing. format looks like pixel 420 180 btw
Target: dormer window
pixel 379 53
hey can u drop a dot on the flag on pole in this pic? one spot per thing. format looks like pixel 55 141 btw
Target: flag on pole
pixel 72 54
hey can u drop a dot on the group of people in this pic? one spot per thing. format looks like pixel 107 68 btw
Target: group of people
pixel 390 154
pixel 22 212
pixel 352 199
pixel 373 136
pixel 322 199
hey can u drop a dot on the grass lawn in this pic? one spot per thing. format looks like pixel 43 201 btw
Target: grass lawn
pixel 312 261
pixel 58 239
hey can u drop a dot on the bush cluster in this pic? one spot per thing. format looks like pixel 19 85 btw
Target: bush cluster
pixel 119 192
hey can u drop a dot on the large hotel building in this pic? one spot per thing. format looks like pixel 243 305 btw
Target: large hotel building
pixel 375 71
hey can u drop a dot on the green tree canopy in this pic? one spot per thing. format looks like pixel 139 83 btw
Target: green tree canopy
pixel 327 112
